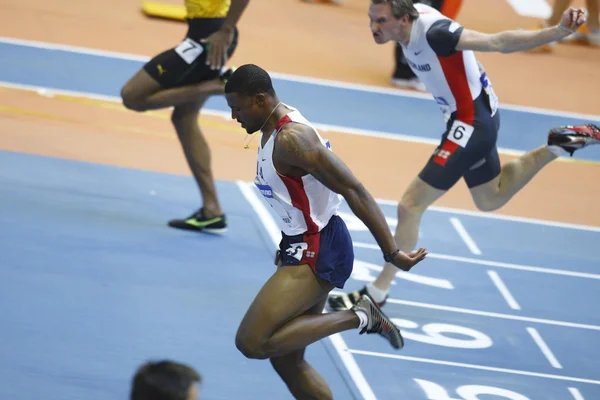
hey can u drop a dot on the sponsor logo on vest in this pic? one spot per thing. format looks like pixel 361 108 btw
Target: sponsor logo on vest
pixel 421 67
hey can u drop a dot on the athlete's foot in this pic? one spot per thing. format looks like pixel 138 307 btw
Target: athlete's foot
pixel 199 222
pixel 378 322
pixel 571 138
pixel 340 302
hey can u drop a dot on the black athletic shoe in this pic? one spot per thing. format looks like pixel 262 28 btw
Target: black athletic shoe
pixel 198 222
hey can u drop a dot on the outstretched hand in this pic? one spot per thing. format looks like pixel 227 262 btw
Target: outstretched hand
pixel 406 261
pixel 572 19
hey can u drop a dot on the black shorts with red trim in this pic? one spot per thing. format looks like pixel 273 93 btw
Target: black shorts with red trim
pixel 185 64
pixel 466 150
pixel 329 253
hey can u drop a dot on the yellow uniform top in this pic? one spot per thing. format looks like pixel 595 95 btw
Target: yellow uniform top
pixel 207 8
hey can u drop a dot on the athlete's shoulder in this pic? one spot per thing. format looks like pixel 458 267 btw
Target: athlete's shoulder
pixel 295 137
pixel 443 35
pixel 429 18
pixel 294 130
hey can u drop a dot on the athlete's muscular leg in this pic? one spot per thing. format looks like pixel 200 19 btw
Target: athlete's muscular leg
pixel 513 177
pixel 197 153
pixel 276 324
pixel 417 197
pixel 303 381
pixel 143 93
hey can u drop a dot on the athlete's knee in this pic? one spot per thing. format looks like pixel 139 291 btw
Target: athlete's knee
pixel 487 204
pixel 183 116
pixel 489 197
pixel 415 200
pixel 131 99
pixel 408 207
pixel 251 347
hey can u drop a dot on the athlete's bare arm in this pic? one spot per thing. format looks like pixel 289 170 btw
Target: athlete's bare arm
pixel 219 42
pixel 521 40
pixel 298 151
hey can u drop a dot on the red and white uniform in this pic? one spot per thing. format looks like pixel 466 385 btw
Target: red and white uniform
pixel 303 204
pixel 455 78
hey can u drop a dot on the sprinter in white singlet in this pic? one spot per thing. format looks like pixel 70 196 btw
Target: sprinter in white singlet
pixel 304 181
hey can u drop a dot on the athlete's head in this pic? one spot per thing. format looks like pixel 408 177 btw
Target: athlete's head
pixel 251 97
pixel 165 380
pixel 391 19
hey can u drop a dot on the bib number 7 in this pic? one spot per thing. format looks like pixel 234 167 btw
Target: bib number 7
pixel 189 50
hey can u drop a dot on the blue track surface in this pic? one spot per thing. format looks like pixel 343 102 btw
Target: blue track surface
pixel 92 283
pixel 358 109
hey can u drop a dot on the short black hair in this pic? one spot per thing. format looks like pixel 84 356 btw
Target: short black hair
pixel 249 80
pixel 163 380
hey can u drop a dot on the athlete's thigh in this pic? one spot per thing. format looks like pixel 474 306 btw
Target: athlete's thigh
pixel 444 168
pixel 463 146
pixel 295 357
pixel 185 64
pixel 291 291
pixel 140 85
pixel 172 66
pixel 484 172
pixel 420 194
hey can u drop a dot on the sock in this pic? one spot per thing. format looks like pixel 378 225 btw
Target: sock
pixel 364 319
pixel 558 151
pixel 376 294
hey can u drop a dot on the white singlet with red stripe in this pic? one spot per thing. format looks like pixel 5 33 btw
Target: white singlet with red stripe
pixel 455 78
pixel 303 204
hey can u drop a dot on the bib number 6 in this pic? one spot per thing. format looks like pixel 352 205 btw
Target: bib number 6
pixel 460 133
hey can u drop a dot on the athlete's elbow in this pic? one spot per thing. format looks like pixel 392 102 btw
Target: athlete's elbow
pixel 505 43
pixel 354 193
pixel 497 44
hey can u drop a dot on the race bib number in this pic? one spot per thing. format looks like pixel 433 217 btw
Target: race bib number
pixel 189 50
pixel 460 133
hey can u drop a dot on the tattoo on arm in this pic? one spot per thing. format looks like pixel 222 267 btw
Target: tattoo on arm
pixel 300 147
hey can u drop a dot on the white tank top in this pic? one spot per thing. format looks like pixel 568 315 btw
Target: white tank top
pixel 455 78
pixel 303 204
